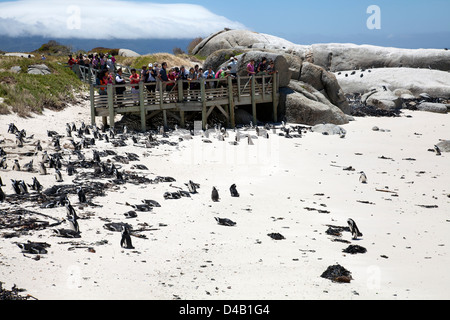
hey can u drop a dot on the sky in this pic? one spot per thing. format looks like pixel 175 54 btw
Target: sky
pixel 397 23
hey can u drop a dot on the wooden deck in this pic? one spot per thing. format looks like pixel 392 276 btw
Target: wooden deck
pixel 183 97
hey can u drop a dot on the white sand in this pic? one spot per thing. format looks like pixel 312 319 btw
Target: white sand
pixel 195 258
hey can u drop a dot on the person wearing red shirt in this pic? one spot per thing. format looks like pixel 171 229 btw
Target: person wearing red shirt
pixel 71 61
pixel 135 79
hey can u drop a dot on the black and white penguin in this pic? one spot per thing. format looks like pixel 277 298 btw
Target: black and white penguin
pixel 3 164
pixel 16 165
pixel 233 191
pixel 125 242
pixel 354 229
pixel 28 166
pixel 15 185
pixel 2 195
pixel 58 176
pixel 437 150
pixel 22 187
pixel 215 195
pixel 81 195
pixel 192 187
pixel 42 169
pixel 225 222
pixel 36 186
pixel 363 177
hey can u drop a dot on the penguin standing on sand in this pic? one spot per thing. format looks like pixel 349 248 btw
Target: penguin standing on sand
pixel 81 195
pixel 363 177
pixel 3 164
pixel 58 176
pixel 215 195
pixel 16 166
pixel 354 229
pixel 233 191
pixel 192 187
pixel 42 169
pixel 437 150
pixel 125 242
pixel 2 195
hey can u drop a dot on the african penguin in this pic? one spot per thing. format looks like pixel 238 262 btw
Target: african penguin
pixel 125 242
pixel 233 191
pixel 354 229
pixel 363 177
pixel 214 195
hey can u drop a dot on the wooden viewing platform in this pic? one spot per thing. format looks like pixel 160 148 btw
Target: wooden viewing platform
pixel 184 96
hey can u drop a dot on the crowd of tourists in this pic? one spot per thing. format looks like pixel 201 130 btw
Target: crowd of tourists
pixel 151 74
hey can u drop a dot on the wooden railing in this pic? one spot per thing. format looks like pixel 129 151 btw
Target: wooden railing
pixel 180 96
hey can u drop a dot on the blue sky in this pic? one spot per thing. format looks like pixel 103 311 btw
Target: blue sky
pixel 404 23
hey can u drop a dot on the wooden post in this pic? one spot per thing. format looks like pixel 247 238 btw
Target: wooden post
pixel 253 85
pixel 264 87
pixel 89 75
pixel 275 97
pixel 231 103
pixel 239 88
pixel 110 93
pixel 161 94
pixel 92 104
pixel 203 97
pixel 142 107
pixel 165 118
pixel 180 99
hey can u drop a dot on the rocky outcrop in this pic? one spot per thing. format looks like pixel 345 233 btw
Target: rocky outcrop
pixel 238 40
pixel 326 83
pixel 444 146
pixel 127 53
pixel 432 107
pixel 333 57
pixel 289 67
pixel 301 103
pixel 382 99
pixel 416 81
pixel 40 69
pixel 338 57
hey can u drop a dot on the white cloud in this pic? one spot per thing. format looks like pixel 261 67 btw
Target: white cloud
pixel 108 19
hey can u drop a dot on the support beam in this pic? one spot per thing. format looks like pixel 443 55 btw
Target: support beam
pixel 142 107
pixel 203 97
pixel 275 97
pixel 253 95
pixel 231 103
pixel 112 115
pixel 92 92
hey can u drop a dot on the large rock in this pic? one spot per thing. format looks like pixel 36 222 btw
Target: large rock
pixel 382 99
pixel 329 129
pixel 325 82
pixel 444 146
pixel 40 69
pixel 338 57
pixel 436 83
pixel 240 39
pixel 127 53
pixel 15 69
pixel 333 56
pixel 432 107
pixel 302 104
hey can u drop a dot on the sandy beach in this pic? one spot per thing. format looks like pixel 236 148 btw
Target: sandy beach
pixel 296 187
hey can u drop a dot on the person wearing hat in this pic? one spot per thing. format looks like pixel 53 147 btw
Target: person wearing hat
pixel 233 65
pixel 110 64
pixel 151 80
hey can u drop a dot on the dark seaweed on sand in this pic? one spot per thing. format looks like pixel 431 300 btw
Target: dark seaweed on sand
pixel 334 273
